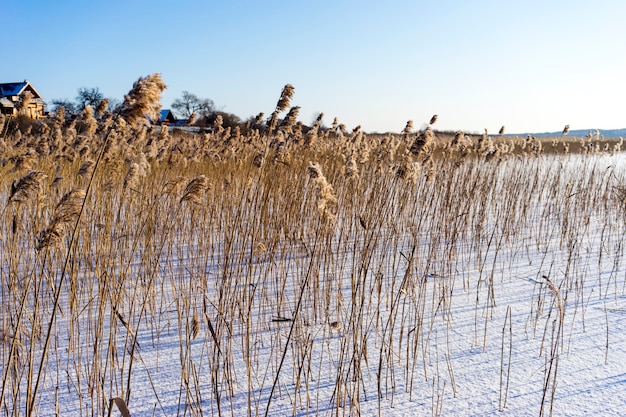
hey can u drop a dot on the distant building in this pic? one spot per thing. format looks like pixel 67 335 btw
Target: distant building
pixel 11 96
pixel 166 118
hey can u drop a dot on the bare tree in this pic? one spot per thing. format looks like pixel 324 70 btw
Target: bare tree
pixel 69 106
pixel 228 119
pixel 88 97
pixel 189 104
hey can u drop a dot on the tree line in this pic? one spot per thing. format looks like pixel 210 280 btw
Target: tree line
pixel 197 111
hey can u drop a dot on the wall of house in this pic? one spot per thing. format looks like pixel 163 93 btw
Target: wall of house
pixel 34 111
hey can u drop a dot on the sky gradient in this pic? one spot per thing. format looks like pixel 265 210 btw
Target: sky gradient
pixel 532 66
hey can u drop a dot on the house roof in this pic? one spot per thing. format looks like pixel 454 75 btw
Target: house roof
pixel 15 89
pixel 166 115
pixel 5 102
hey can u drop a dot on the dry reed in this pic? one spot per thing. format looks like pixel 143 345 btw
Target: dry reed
pixel 247 286
pixel 64 216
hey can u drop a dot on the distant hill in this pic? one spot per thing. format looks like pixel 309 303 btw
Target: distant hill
pixel 581 133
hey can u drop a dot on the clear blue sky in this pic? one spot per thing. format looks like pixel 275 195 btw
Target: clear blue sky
pixel 530 65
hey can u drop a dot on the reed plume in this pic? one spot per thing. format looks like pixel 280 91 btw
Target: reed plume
pixel 144 164
pixel 86 168
pixel 281 153
pixel 272 121
pixel 460 141
pixel 89 121
pixel 24 102
pixel 356 133
pixel 421 143
pixel 290 119
pixel 70 131
pixel 259 118
pixel 351 169
pixel 285 97
pixel 318 120
pixel 407 169
pixel 259 159
pixel 407 129
pixel 25 161
pixel 59 118
pixel 102 107
pixel 27 186
pixel 194 189
pixel 327 202
pixel 218 124
pixel 311 135
pixel 143 101
pixel 132 176
pixel 65 215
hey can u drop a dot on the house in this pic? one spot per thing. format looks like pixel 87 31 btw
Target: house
pixel 11 95
pixel 166 118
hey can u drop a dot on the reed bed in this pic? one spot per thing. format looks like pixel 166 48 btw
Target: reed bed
pixel 282 272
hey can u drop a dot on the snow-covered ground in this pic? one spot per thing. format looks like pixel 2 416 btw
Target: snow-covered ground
pixel 513 303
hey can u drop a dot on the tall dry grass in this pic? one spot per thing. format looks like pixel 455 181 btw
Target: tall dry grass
pixel 261 281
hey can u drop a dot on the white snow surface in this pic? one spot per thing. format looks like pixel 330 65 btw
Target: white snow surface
pixel 463 325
